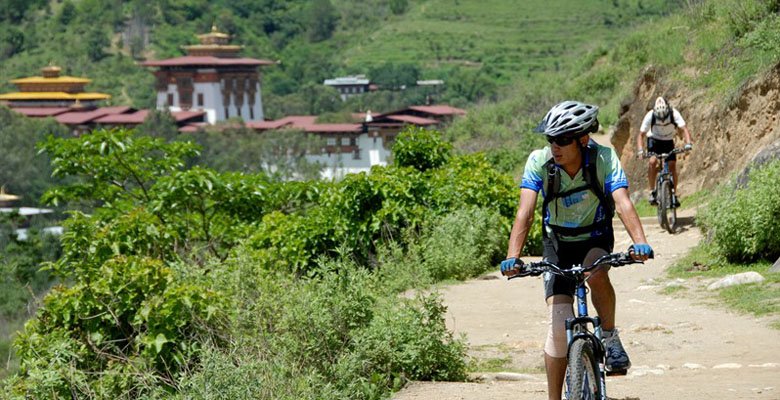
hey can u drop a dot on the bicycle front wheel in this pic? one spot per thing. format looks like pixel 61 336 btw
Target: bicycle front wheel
pixel 660 199
pixel 669 210
pixel 583 377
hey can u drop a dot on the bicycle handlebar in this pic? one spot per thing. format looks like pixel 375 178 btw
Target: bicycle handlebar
pixel 649 154
pixel 538 268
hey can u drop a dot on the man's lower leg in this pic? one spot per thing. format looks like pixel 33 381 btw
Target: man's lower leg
pixel 556 372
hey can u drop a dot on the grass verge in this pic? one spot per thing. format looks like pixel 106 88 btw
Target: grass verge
pixel 759 299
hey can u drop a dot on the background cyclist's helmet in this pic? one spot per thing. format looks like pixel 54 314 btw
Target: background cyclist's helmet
pixel 569 118
pixel 661 108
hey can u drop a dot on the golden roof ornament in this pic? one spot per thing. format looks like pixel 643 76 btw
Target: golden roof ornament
pixel 51 70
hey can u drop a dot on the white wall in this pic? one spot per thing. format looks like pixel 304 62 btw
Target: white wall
pixel 372 152
pixel 212 101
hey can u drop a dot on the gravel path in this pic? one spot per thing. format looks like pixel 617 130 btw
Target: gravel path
pixel 682 344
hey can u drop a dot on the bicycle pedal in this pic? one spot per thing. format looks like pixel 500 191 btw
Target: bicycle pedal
pixel 621 372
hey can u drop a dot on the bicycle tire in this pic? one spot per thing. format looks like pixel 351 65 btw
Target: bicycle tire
pixel 659 199
pixel 583 381
pixel 670 211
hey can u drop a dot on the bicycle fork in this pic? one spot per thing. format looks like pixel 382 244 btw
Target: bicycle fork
pixel 575 328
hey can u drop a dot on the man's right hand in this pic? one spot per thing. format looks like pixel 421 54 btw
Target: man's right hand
pixel 511 265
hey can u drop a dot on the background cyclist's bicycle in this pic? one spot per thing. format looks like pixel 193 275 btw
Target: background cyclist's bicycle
pixel 665 196
pixel 585 376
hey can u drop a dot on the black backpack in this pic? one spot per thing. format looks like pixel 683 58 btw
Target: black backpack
pixel 589 159
pixel 671 117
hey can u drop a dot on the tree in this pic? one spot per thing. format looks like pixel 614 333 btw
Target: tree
pixel 392 76
pixel 279 154
pixel 13 42
pixel 398 7
pixel 97 41
pixel 321 19
pixel 24 171
pixel 67 13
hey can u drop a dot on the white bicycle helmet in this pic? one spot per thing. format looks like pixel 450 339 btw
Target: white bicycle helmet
pixel 661 108
pixel 569 117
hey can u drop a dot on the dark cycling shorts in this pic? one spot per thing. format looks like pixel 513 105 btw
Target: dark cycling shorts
pixel 661 146
pixel 568 255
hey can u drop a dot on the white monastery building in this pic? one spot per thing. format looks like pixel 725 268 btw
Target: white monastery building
pixel 212 78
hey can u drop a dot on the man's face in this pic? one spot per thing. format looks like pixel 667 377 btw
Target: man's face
pixel 564 154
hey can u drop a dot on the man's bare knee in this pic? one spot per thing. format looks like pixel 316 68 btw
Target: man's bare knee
pixel 559 308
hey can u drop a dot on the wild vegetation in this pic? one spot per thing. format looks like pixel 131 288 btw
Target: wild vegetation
pixel 177 268
pixel 187 270
pixel 712 46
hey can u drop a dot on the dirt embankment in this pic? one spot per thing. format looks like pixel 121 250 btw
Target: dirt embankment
pixel 726 137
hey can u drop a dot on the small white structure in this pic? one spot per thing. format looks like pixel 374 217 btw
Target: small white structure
pixel 349 86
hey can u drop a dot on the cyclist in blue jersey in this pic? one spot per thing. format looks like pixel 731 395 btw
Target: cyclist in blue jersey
pixel 582 185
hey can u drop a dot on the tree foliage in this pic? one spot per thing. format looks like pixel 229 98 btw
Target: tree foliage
pixel 179 266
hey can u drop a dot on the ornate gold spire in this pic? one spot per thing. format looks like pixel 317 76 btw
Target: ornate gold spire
pixel 51 70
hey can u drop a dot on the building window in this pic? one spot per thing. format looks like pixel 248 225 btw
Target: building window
pixel 353 141
pixel 227 113
pixel 356 155
pixel 170 99
pixel 238 111
pixel 331 141
pixel 200 99
pixel 251 113
pixel 345 141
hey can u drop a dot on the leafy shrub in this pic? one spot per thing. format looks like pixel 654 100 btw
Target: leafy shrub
pixel 118 329
pixel 463 244
pixel 420 148
pixel 743 223
pixel 339 336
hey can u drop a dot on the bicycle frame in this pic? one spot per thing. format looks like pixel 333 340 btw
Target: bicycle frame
pixel 577 327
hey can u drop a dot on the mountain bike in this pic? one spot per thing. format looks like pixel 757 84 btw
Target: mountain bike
pixel 585 374
pixel 665 195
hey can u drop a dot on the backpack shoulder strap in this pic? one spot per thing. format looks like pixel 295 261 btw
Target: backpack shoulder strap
pixel 590 173
pixel 553 186
pixel 671 116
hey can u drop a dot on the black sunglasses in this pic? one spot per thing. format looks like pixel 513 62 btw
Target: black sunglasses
pixel 561 140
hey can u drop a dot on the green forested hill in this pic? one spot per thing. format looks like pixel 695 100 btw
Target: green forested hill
pixel 506 39
pixel 476 46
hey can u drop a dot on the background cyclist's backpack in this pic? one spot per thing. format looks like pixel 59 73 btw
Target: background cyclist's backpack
pixel 671 117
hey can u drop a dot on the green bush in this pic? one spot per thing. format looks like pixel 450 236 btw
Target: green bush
pixel 420 148
pixel 463 244
pixel 743 223
pixel 339 336
pixel 119 329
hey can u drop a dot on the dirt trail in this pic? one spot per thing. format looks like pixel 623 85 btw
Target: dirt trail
pixel 682 344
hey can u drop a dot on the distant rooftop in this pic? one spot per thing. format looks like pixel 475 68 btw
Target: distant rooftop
pixel 347 80
pixel 432 82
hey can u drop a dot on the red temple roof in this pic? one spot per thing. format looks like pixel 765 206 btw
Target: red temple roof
pixel 82 117
pixel 412 119
pixel 118 119
pixel 207 60
pixel 305 123
pixel 439 110
pixel 41 111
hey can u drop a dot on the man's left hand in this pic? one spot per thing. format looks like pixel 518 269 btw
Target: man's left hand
pixel 640 252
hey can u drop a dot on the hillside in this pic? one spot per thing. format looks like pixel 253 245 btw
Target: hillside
pixel 507 40
pixel 713 59
pixel 477 49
